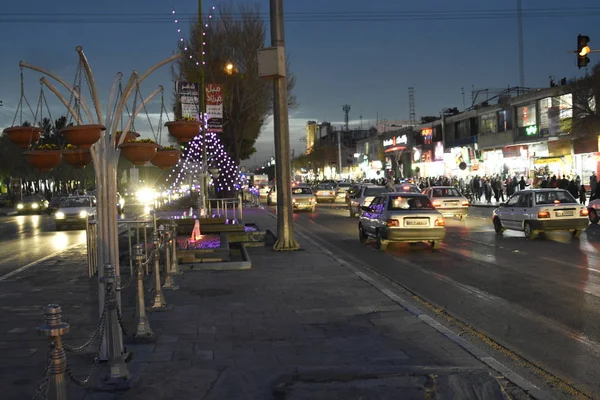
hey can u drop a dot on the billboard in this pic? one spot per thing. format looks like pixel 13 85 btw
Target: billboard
pixel 214 107
pixel 188 93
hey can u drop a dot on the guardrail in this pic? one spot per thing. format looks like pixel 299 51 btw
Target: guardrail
pixel 223 207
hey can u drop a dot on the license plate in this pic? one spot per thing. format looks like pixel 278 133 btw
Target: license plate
pixel 416 222
pixel 564 213
pixel 452 203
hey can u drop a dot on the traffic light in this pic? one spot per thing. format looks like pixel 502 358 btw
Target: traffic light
pixel 582 50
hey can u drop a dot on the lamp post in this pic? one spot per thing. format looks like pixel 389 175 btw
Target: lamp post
pixel 202 207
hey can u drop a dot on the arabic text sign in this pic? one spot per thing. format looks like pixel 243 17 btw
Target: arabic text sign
pixel 214 107
pixel 188 97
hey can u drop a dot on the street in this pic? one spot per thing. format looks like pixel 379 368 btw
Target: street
pixel 539 299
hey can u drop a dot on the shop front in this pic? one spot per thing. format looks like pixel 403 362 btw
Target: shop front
pixel 397 155
pixel 587 158
pixel 428 163
pixel 492 163
pixel 515 161
pixel 558 161
pixel 461 161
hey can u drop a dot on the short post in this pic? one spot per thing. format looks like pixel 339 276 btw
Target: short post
pixel 175 270
pixel 143 330
pixel 54 328
pixel 241 206
pixel 159 303
pixel 118 378
pixel 169 280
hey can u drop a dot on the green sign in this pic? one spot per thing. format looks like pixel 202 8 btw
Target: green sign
pixel 531 130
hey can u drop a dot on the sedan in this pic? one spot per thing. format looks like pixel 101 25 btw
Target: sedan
pixel 448 201
pixel 401 217
pixel 534 211
pixel 303 198
pixel 324 193
pixel 74 211
pixel 32 204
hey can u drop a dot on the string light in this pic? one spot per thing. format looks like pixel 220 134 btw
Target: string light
pixel 182 40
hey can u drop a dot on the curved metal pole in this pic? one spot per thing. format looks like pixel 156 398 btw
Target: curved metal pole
pixel 61 98
pixel 111 98
pixel 124 96
pixel 60 80
pixel 136 112
pixel 90 76
pixel 158 65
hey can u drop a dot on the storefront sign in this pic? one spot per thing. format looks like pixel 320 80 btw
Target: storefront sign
pixel 531 130
pixel 438 154
pixel 515 151
pixel 559 148
pixel 401 140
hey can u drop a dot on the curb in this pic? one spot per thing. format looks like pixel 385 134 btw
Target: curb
pixel 8 213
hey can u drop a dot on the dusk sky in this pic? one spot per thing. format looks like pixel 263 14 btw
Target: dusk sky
pixel 365 54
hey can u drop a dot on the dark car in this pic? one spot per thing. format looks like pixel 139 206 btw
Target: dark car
pixel 32 204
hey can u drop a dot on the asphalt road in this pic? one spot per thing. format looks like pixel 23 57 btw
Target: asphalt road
pixel 540 298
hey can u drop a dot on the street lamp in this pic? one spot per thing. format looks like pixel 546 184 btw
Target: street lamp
pixel 229 68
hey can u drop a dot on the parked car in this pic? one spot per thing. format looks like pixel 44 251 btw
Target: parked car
pixel 32 204
pixel 303 198
pixel 534 211
pixel 401 217
pixel 363 197
pixel 448 201
pixel 74 211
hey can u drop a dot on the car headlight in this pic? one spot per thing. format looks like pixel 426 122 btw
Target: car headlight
pixel 59 215
pixel 19 206
pixel 35 205
pixel 83 214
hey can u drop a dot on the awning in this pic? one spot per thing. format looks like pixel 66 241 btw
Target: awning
pixel 547 160
pixel 396 148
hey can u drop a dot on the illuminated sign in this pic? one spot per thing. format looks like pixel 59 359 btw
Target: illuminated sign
pixel 427 132
pixel 396 141
pixel 531 130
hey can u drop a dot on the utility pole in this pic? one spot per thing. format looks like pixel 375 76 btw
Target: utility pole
pixel 202 207
pixel 521 47
pixel 283 177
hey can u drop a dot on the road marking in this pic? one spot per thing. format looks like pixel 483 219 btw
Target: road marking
pixel 34 263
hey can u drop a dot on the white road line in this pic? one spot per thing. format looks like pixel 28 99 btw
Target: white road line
pixel 34 263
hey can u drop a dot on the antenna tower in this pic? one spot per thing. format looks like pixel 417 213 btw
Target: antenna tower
pixel 411 106
pixel 346 109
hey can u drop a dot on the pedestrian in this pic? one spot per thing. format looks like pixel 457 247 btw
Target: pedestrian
pixel 582 197
pixel 593 186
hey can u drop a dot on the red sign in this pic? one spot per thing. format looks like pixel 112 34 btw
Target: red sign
pixel 214 107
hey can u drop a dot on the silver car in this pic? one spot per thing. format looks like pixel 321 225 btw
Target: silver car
pixel 401 217
pixel 303 198
pixel 448 201
pixel 74 211
pixel 363 197
pixel 325 192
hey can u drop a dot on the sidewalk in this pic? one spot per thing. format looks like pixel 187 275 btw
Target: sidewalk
pixel 297 326
pixel 8 211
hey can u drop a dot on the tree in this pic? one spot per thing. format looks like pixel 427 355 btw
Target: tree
pixel 586 97
pixel 234 36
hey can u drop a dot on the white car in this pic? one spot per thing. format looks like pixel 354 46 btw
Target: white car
pixel 363 196
pixel 303 198
pixel 74 211
pixel 533 211
pixel 448 201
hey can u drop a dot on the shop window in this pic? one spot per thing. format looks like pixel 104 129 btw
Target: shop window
pixel 463 129
pixel 504 121
pixel 487 123
pixel 526 116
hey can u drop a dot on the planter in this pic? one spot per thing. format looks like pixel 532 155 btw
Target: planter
pixel 83 136
pixel 166 159
pixel 129 136
pixel 44 160
pixel 183 131
pixel 77 158
pixel 23 136
pixel 139 153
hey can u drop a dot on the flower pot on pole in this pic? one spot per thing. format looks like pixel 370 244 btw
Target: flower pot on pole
pixel 43 160
pixel 129 136
pixel 183 131
pixel 23 136
pixel 77 158
pixel 166 159
pixel 83 136
pixel 139 153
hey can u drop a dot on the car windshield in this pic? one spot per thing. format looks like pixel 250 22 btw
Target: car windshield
pixel 554 197
pixel 445 192
pixel 324 187
pixel 301 190
pixel 31 199
pixel 374 191
pixel 409 203
pixel 76 202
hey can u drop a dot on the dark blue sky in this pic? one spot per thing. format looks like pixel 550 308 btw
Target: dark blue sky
pixel 365 54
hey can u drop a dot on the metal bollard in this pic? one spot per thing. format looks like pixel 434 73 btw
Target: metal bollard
pixel 169 280
pixel 175 269
pixel 159 303
pixel 241 206
pixel 143 330
pixel 54 328
pixel 118 378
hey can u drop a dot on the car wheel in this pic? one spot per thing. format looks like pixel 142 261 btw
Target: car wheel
pixel 530 233
pixel 594 216
pixel 362 236
pixel 498 225
pixel 381 244
pixel 576 233
pixel 435 245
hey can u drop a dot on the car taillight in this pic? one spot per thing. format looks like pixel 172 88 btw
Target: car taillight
pixel 293 200
pixel 393 222
pixel 440 222
pixel 544 214
pixel 465 203
pixel 584 212
pixel 437 203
